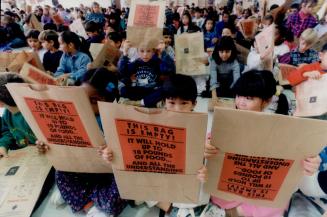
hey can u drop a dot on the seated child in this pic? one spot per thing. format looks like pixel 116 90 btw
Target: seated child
pixel 149 71
pixel 34 43
pixel 94 32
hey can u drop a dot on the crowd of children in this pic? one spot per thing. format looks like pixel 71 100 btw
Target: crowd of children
pixel 146 76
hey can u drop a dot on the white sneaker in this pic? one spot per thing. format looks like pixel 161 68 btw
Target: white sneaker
pixel 95 212
pixel 214 211
pixel 56 198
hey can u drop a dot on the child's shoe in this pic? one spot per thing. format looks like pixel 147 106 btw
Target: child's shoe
pixel 56 198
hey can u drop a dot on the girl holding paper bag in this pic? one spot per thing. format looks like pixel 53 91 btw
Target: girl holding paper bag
pixel 254 91
pixel 95 194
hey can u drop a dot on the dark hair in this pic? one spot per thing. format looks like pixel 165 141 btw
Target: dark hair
pixel 104 81
pixel 115 37
pixel 180 86
pixel 6 78
pixel 324 48
pixel 256 83
pixel 269 17
pixel 33 34
pixel 79 43
pixel 312 2
pixel 226 43
pixel 205 23
pixel 295 6
pixel 92 26
pixel 50 35
pixel 50 26
pixel 272 7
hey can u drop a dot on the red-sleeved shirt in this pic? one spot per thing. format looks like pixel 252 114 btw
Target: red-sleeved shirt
pixel 296 77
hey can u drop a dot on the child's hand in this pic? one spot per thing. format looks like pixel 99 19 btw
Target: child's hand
pixel 311 165
pixel 63 78
pixel 202 174
pixel 210 150
pixel 214 40
pixel 106 153
pixel 42 147
pixel 313 75
pixel 126 46
pixel 3 152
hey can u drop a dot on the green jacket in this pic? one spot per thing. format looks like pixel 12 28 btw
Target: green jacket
pixel 15 132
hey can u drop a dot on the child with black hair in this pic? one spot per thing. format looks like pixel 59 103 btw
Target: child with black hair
pixel 224 69
pixel 94 194
pixel 15 132
pixel 209 34
pixel 15 35
pixel 254 91
pixel 168 40
pixel 34 43
pixel 93 30
pixel 73 63
pixel 187 25
pixel 198 20
pixel 51 59
pixel 115 39
pixel 96 14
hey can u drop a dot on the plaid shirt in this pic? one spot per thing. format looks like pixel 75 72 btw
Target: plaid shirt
pixel 297 25
pixel 308 57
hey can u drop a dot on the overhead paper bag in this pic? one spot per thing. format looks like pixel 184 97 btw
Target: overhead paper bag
pixel 189 55
pixel 266 41
pixel 78 27
pixel 36 76
pixel 145 22
pixel 36 24
pixel 285 71
pixel 63 118
pixel 103 54
pixel 248 27
pixel 25 56
pixel 159 150
pixel 311 97
pixel 57 19
pixel 260 155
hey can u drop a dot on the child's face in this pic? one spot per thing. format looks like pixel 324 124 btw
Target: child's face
pixel 34 43
pixel 307 8
pixel 225 18
pixel 303 45
pixel 91 34
pixel 64 46
pixel 47 45
pixel 250 103
pixel 197 15
pixel 185 20
pixel 227 32
pixel 145 54
pixel 167 39
pixel 96 9
pixel 179 105
pixel 225 54
pixel 323 59
pixel 209 25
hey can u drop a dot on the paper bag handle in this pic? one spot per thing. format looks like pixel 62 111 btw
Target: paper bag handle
pixel 39 87
pixel 148 111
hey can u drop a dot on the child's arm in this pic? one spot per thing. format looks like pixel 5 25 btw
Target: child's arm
pixel 213 76
pixel 42 147
pixel 302 74
pixel 6 139
pixel 311 165
pixel 62 66
pixel 236 72
pixel 76 75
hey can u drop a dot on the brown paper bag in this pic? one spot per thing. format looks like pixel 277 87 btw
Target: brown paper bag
pixel 36 76
pixel 260 155
pixel 311 97
pixel 78 27
pixel 285 71
pixel 266 41
pixel 104 54
pixel 6 58
pixel 320 43
pixel 23 57
pixel 248 27
pixel 159 150
pixel 247 4
pixel 189 55
pixel 36 24
pixel 145 22
pixel 63 118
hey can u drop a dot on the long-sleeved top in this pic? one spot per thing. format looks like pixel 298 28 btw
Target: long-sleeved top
pixel 219 28
pixel 208 36
pixel 96 17
pixel 15 132
pixel 308 57
pixel 51 61
pixel 298 22
pixel 46 19
pixel 147 73
pixel 224 68
pixel 75 64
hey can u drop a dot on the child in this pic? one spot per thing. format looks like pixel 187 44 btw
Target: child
pixel 180 93
pixel 15 36
pixel 15 132
pixel 96 15
pixel 187 25
pixel 209 34
pixel 198 20
pixel 95 194
pixel 73 63
pixel 224 68
pixel 149 70
pixel 313 71
pixel 168 40
pixel 93 30
pixel 52 57
pixel 303 19
pixel 304 54
pixel 254 91
pixel 34 43
pixel 115 39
